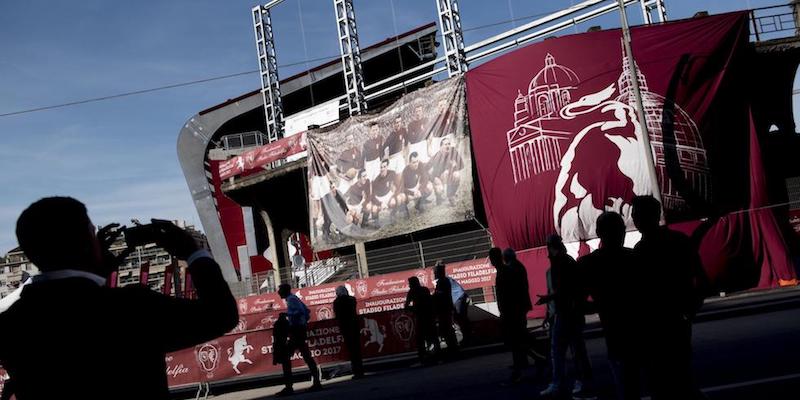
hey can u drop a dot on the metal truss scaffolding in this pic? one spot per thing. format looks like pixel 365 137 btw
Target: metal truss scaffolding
pixel 450 26
pixel 661 8
pixel 268 65
pixel 351 56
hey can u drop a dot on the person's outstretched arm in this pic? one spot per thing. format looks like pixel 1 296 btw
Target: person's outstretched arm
pixel 180 323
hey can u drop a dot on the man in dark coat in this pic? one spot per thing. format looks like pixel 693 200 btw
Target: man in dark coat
pixel 420 302
pixel 93 341
pixel 675 277
pixel 611 278
pixel 344 307
pixel 443 308
pixel 514 302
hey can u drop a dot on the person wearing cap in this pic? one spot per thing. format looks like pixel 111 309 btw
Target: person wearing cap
pixel 565 311
pixel 344 307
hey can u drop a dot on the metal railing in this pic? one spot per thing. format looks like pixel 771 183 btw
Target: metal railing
pixel 243 140
pixel 322 271
pixel 452 248
pixel 774 22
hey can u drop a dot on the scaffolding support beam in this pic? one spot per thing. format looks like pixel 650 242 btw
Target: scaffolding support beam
pixel 452 36
pixel 268 66
pixel 351 56
pixel 661 8
pixel 648 19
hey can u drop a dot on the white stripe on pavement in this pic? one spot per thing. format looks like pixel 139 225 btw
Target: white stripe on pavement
pixel 745 384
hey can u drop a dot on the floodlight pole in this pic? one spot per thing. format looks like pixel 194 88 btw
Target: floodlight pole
pixel 452 36
pixel 350 55
pixel 268 66
pixel 637 94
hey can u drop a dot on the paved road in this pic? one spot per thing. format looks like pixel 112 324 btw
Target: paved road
pixel 747 357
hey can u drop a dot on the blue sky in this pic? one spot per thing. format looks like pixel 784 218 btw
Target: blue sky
pixel 119 156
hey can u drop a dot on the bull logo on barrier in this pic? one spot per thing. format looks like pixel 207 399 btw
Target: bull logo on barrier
pixel 236 355
pixel 376 333
pixel 362 288
pixel 208 357
pixel 324 313
pixel 403 327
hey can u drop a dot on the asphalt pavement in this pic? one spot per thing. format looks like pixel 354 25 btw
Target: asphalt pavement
pixel 753 354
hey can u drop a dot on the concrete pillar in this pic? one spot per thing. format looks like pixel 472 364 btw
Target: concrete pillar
pixel 361 258
pixel 273 247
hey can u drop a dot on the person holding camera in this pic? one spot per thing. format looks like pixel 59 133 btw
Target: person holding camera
pixel 71 336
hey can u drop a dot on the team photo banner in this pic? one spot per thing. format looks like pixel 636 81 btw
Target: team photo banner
pixel 404 169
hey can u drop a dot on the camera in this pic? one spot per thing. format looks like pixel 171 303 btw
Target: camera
pixel 140 235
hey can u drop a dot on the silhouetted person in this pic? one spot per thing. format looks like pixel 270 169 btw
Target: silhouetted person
pixel 420 302
pixel 612 280
pixel 513 302
pixel 674 274
pixel 298 316
pixel 74 322
pixel 565 302
pixel 461 304
pixel 443 308
pixel 344 307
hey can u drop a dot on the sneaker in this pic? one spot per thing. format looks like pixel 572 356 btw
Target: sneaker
pixel 287 391
pixel 580 392
pixel 551 391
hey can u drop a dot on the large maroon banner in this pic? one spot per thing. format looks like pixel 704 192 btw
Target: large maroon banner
pixel 557 140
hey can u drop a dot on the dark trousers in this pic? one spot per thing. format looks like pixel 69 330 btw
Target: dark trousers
pixel 627 375
pixel 446 331
pixel 352 340
pixel 515 331
pixel 297 342
pixel 669 366
pixel 426 335
pixel 566 332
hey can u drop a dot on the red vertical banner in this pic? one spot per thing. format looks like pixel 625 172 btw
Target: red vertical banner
pixel 169 271
pixel 188 287
pixel 112 279
pixel 144 273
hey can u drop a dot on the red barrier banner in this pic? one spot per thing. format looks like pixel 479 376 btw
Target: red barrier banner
pixel 386 328
pixel 257 158
pixel 250 353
